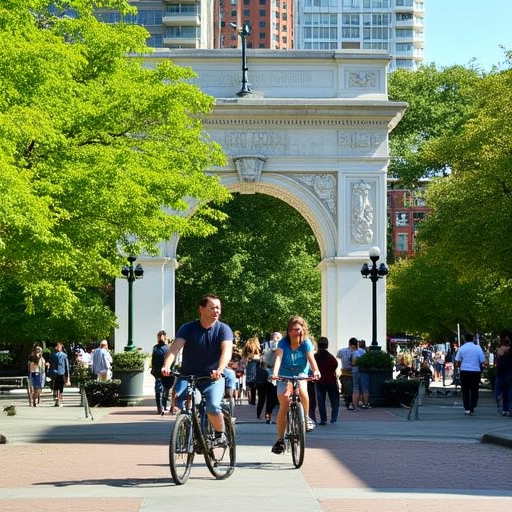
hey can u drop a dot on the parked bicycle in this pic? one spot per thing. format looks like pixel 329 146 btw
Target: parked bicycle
pixel 295 435
pixel 193 433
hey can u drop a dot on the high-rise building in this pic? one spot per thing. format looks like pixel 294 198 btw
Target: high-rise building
pixel 395 26
pixel 271 23
pixel 171 23
pixel 392 25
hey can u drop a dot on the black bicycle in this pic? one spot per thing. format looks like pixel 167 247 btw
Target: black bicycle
pixel 193 433
pixel 295 435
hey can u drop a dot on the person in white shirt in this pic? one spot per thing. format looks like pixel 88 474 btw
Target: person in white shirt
pixel 102 362
pixel 470 359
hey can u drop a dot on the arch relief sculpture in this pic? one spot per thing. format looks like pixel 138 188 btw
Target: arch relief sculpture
pixel 362 213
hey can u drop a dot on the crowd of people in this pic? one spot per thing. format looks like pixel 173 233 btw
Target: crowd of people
pixel 258 371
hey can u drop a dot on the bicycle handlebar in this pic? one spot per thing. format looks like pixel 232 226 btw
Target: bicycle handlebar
pixel 294 378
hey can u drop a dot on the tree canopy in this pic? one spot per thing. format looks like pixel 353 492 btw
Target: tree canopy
pixel 464 270
pixel 262 262
pixel 97 153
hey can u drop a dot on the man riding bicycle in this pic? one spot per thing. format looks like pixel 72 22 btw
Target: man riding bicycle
pixel 207 345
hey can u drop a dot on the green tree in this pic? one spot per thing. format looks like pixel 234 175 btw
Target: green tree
pixel 439 102
pixel 261 262
pixel 464 273
pixel 97 154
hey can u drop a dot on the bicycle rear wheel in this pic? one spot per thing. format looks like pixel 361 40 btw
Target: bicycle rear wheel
pixel 221 459
pixel 181 449
pixel 297 429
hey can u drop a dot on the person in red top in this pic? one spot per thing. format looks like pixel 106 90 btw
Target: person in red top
pixel 327 385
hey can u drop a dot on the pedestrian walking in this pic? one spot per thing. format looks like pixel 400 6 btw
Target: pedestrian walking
pixel 470 359
pixel 327 384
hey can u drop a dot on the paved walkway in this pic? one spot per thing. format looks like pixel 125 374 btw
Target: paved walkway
pixel 55 459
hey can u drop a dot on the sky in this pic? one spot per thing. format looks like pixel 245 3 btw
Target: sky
pixel 458 30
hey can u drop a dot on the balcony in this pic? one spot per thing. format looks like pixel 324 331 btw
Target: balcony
pixel 182 42
pixel 190 20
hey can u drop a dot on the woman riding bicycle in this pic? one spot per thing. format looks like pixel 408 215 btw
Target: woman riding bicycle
pixel 294 357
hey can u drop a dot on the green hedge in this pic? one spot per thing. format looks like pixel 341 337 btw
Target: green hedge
pixel 102 394
pixel 400 392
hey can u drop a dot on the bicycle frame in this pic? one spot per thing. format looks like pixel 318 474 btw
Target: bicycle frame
pixel 295 435
pixel 193 433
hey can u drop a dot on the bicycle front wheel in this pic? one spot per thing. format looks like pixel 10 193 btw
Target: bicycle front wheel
pixel 297 428
pixel 181 449
pixel 221 459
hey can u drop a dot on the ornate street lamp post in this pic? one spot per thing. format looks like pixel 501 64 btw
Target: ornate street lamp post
pixel 374 273
pixel 244 34
pixel 131 273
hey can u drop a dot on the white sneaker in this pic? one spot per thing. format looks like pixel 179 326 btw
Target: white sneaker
pixel 220 441
pixel 310 424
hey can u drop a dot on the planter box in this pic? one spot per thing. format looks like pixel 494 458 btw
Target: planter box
pixel 131 389
pixel 378 376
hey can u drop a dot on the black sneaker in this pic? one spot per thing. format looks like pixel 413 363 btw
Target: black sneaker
pixel 278 447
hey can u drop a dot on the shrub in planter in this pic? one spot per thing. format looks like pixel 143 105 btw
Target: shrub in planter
pixel 375 360
pixel 102 394
pixel 130 361
pixel 400 391
pixel 80 374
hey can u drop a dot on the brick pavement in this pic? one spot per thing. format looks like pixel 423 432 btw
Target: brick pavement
pixel 372 460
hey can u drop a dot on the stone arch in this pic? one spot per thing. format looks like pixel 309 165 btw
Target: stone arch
pixel 313 133
pixel 295 191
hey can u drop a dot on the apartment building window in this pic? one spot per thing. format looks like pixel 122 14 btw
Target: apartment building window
pixel 321 33
pixel 262 35
pixel 403 16
pixel 403 47
pixel 419 201
pixel 233 2
pixel 402 242
pixel 181 9
pixel 404 3
pixel 376 33
pixel 404 63
pixel 350 32
pixel 263 2
pixel 247 13
pixel 351 4
pixel 404 33
pixel 262 12
pixel 233 14
pixel 401 219
pixel 375 45
pixel 350 19
pixel 190 32
pixel 375 4
pixel 320 45
pixel 320 19
pixel 320 3
pixel 418 217
pixel 285 40
pixel 262 24
pixel 147 18
pixel 156 41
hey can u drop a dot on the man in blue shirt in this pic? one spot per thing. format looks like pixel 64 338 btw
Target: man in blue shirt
pixel 207 345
